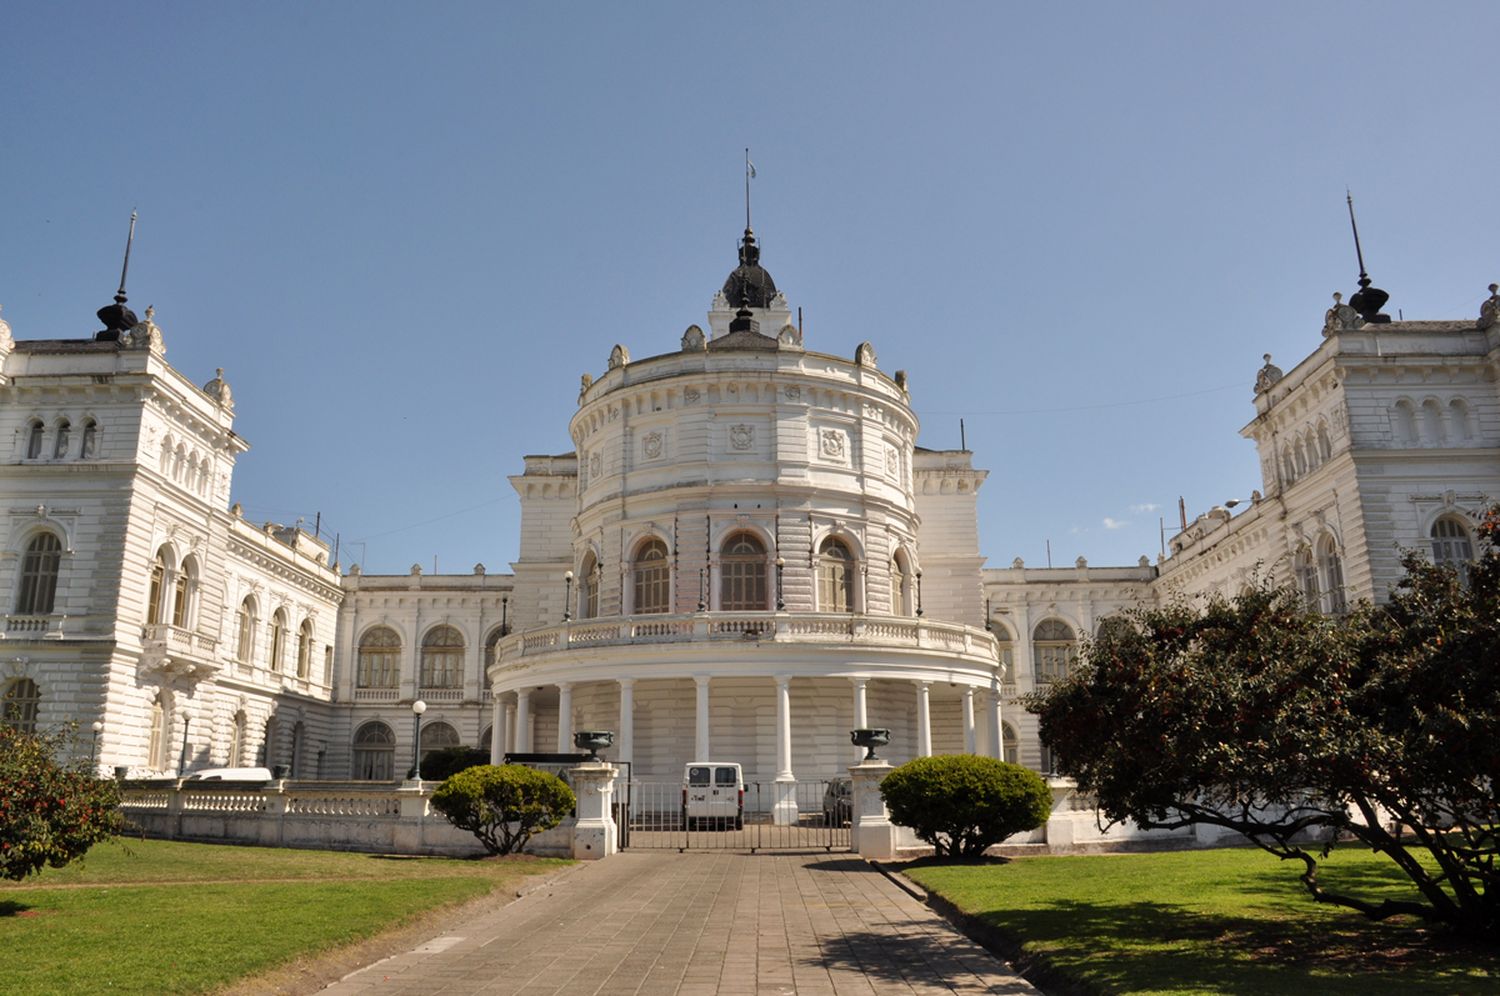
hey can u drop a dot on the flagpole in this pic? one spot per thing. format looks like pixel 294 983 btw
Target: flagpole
pixel 747 189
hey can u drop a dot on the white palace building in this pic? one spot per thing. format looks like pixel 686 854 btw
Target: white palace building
pixel 745 555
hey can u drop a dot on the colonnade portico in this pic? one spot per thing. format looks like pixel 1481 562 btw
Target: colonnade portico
pixel 800 717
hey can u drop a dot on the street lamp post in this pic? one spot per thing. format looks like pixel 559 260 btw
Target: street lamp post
pixel 504 615
pixel 567 596
pixel 417 708
pixel 94 747
pixel 780 567
pixel 187 721
pixel 919 594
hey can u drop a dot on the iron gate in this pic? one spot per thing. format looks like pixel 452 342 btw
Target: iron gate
pixel 653 815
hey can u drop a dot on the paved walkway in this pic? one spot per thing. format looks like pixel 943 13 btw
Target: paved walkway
pixel 661 922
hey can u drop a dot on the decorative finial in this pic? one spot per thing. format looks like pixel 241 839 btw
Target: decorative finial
pixel 1367 300
pixel 151 313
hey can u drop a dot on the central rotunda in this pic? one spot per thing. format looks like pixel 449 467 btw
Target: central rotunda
pixel 745 557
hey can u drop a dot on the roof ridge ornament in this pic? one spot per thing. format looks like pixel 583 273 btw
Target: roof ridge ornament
pixel 1489 311
pixel 1367 300
pixel 1340 317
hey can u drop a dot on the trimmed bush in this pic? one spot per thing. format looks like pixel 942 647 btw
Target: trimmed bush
pixel 504 805
pixel 445 762
pixel 50 813
pixel 962 804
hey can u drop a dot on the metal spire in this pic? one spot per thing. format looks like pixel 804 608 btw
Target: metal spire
pixel 749 175
pixel 120 294
pixel 1367 300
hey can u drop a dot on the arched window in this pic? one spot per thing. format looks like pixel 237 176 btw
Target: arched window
pixel 1325 445
pixel 184 590
pixel 304 648
pixel 491 642
pixel 442 658
pixel 1010 744
pixel 157 592
pixel 1005 644
pixel 901 590
pixel 1451 546
pixel 1300 455
pixel 379 659
pixel 1406 422
pixel 1332 570
pixel 90 440
pixel 1306 574
pixel 438 736
pixel 588 588
pixel 35 434
pixel 18 708
pixel 1432 423
pixel 236 739
pixel 835 577
pixel 652 578
pixel 278 641
pixel 1458 417
pixel 1054 647
pixel 60 441
pixel 374 753
pixel 742 575
pixel 156 744
pixel 1288 465
pixel 268 752
pixel 245 645
pixel 39 567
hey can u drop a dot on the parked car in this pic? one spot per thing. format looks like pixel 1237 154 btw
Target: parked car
pixel 714 792
pixel 231 775
pixel 838 802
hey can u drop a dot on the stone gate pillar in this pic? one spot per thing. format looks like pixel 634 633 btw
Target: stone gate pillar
pixel 873 832
pixel 594 835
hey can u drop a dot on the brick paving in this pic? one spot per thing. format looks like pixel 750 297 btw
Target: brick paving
pixel 701 923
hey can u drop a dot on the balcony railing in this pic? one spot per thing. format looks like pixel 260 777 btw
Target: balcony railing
pixel 47 627
pixel 773 627
pixel 180 641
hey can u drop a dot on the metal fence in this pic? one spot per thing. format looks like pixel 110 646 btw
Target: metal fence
pixel 652 815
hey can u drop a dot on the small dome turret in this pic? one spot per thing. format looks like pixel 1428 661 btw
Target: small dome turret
pixel 750 286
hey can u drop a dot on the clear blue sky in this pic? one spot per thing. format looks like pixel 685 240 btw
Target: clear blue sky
pixel 405 230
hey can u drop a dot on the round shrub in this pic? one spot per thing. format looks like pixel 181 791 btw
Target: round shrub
pixel 504 805
pixel 962 804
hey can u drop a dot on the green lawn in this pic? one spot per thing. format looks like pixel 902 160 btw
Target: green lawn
pixel 165 917
pixel 1221 921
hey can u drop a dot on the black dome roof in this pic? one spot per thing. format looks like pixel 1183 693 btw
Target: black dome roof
pixel 750 285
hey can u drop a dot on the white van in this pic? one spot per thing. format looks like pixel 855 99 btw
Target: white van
pixel 713 791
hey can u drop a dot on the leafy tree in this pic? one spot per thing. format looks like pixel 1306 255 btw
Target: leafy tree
pixel 1260 716
pixel 504 805
pixel 962 804
pixel 50 813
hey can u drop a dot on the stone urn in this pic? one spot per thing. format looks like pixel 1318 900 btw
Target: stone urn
pixel 593 741
pixel 869 740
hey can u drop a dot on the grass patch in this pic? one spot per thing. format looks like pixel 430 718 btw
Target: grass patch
pixel 168 917
pixel 1220 921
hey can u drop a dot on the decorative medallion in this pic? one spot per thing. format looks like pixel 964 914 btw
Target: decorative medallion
pixel 741 437
pixel 651 445
pixel 831 442
pixel 892 463
pixel 596 464
pixel 614 414
pixel 691 396
pixel 793 393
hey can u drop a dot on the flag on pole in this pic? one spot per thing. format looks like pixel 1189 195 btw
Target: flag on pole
pixel 749 169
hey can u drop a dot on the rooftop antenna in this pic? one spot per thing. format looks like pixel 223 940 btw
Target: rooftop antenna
pixel 1367 300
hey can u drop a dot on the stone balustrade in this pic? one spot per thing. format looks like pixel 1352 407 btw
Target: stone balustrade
pixel 897 632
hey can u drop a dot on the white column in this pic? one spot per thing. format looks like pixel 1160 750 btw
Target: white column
pixel 564 716
pixel 996 737
pixel 625 745
pixel 700 742
pixel 861 716
pixel 523 720
pixel 784 810
pixel 497 728
pixel 510 726
pixel 969 744
pixel 924 720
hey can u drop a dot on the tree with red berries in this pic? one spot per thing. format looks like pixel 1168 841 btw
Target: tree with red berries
pixel 50 812
pixel 1300 730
